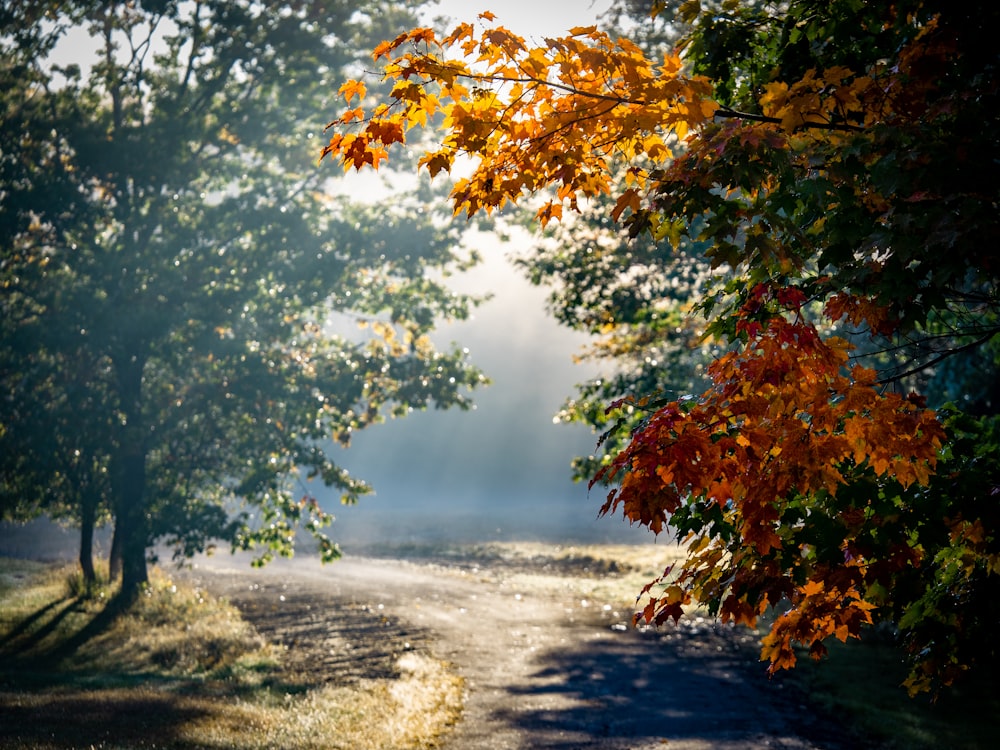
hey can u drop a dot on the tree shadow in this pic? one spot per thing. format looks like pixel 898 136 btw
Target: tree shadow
pixel 329 640
pixel 35 637
pixel 98 624
pixel 118 718
pixel 699 685
pixel 26 647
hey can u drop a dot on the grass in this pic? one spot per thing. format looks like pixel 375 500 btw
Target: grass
pixel 861 680
pixel 183 670
pixel 609 573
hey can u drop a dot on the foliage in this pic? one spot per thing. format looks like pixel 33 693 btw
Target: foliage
pixel 833 160
pixel 173 273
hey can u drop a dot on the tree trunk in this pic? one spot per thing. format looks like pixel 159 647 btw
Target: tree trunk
pixel 130 502
pixel 130 523
pixel 88 518
pixel 115 556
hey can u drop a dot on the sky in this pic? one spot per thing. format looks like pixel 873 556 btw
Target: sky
pixel 528 18
pixel 503 470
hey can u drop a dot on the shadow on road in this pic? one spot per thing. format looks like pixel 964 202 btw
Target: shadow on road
pixel 701 689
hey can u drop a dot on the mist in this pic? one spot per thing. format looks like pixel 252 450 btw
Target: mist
pixel 501 470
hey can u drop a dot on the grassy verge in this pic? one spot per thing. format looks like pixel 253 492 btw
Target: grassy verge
pixel 860 681
pixel 183 670
pixel 607 573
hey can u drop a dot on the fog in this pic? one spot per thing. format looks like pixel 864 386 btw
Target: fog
pixel 498 472
pixel 501 471
pixel 529 18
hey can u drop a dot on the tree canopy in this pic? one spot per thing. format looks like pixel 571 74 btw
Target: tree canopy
pixel 174 273
pixel 832 163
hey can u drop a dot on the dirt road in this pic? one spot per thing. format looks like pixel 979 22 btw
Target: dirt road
pixel 544 669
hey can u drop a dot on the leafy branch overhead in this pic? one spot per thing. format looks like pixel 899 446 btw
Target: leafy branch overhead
pixel 557 115
pixel 834 165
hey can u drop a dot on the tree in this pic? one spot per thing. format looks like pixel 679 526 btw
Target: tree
pixel 831 161
pixel 174 273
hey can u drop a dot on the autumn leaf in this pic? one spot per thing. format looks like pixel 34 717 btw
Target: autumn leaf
pixel 550 112
pixel 350 89
pixel 628 199
pixel 812 588
pixel 435 163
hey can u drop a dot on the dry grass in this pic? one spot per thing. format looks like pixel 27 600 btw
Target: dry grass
pixel 591 559
pixel 606 577
pixel 410 712
pixel 172 631
pixel 183 670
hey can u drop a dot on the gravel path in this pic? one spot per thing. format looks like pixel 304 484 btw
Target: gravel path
pixel 544 670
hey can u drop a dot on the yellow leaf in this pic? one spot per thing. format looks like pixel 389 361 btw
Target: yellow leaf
pixel 227 136
pixel 666 474
pixel 774 98
pixel 351 115
pixel 688 11
pixel 673 594
pixel 439 161
pixel 548 212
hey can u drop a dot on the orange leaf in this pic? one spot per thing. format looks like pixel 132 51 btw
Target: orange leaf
pixel 812 588
pixel 628 199
pixel 351 89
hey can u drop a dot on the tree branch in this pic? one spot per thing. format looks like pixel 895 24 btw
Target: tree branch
pixel 726 112
pixel 941 357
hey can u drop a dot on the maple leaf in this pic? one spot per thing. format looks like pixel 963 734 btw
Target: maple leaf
pixel 352 88
pixel 351 115
pixel 435 163
pixel 628 199
pixel 548 212
pixel 812 588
